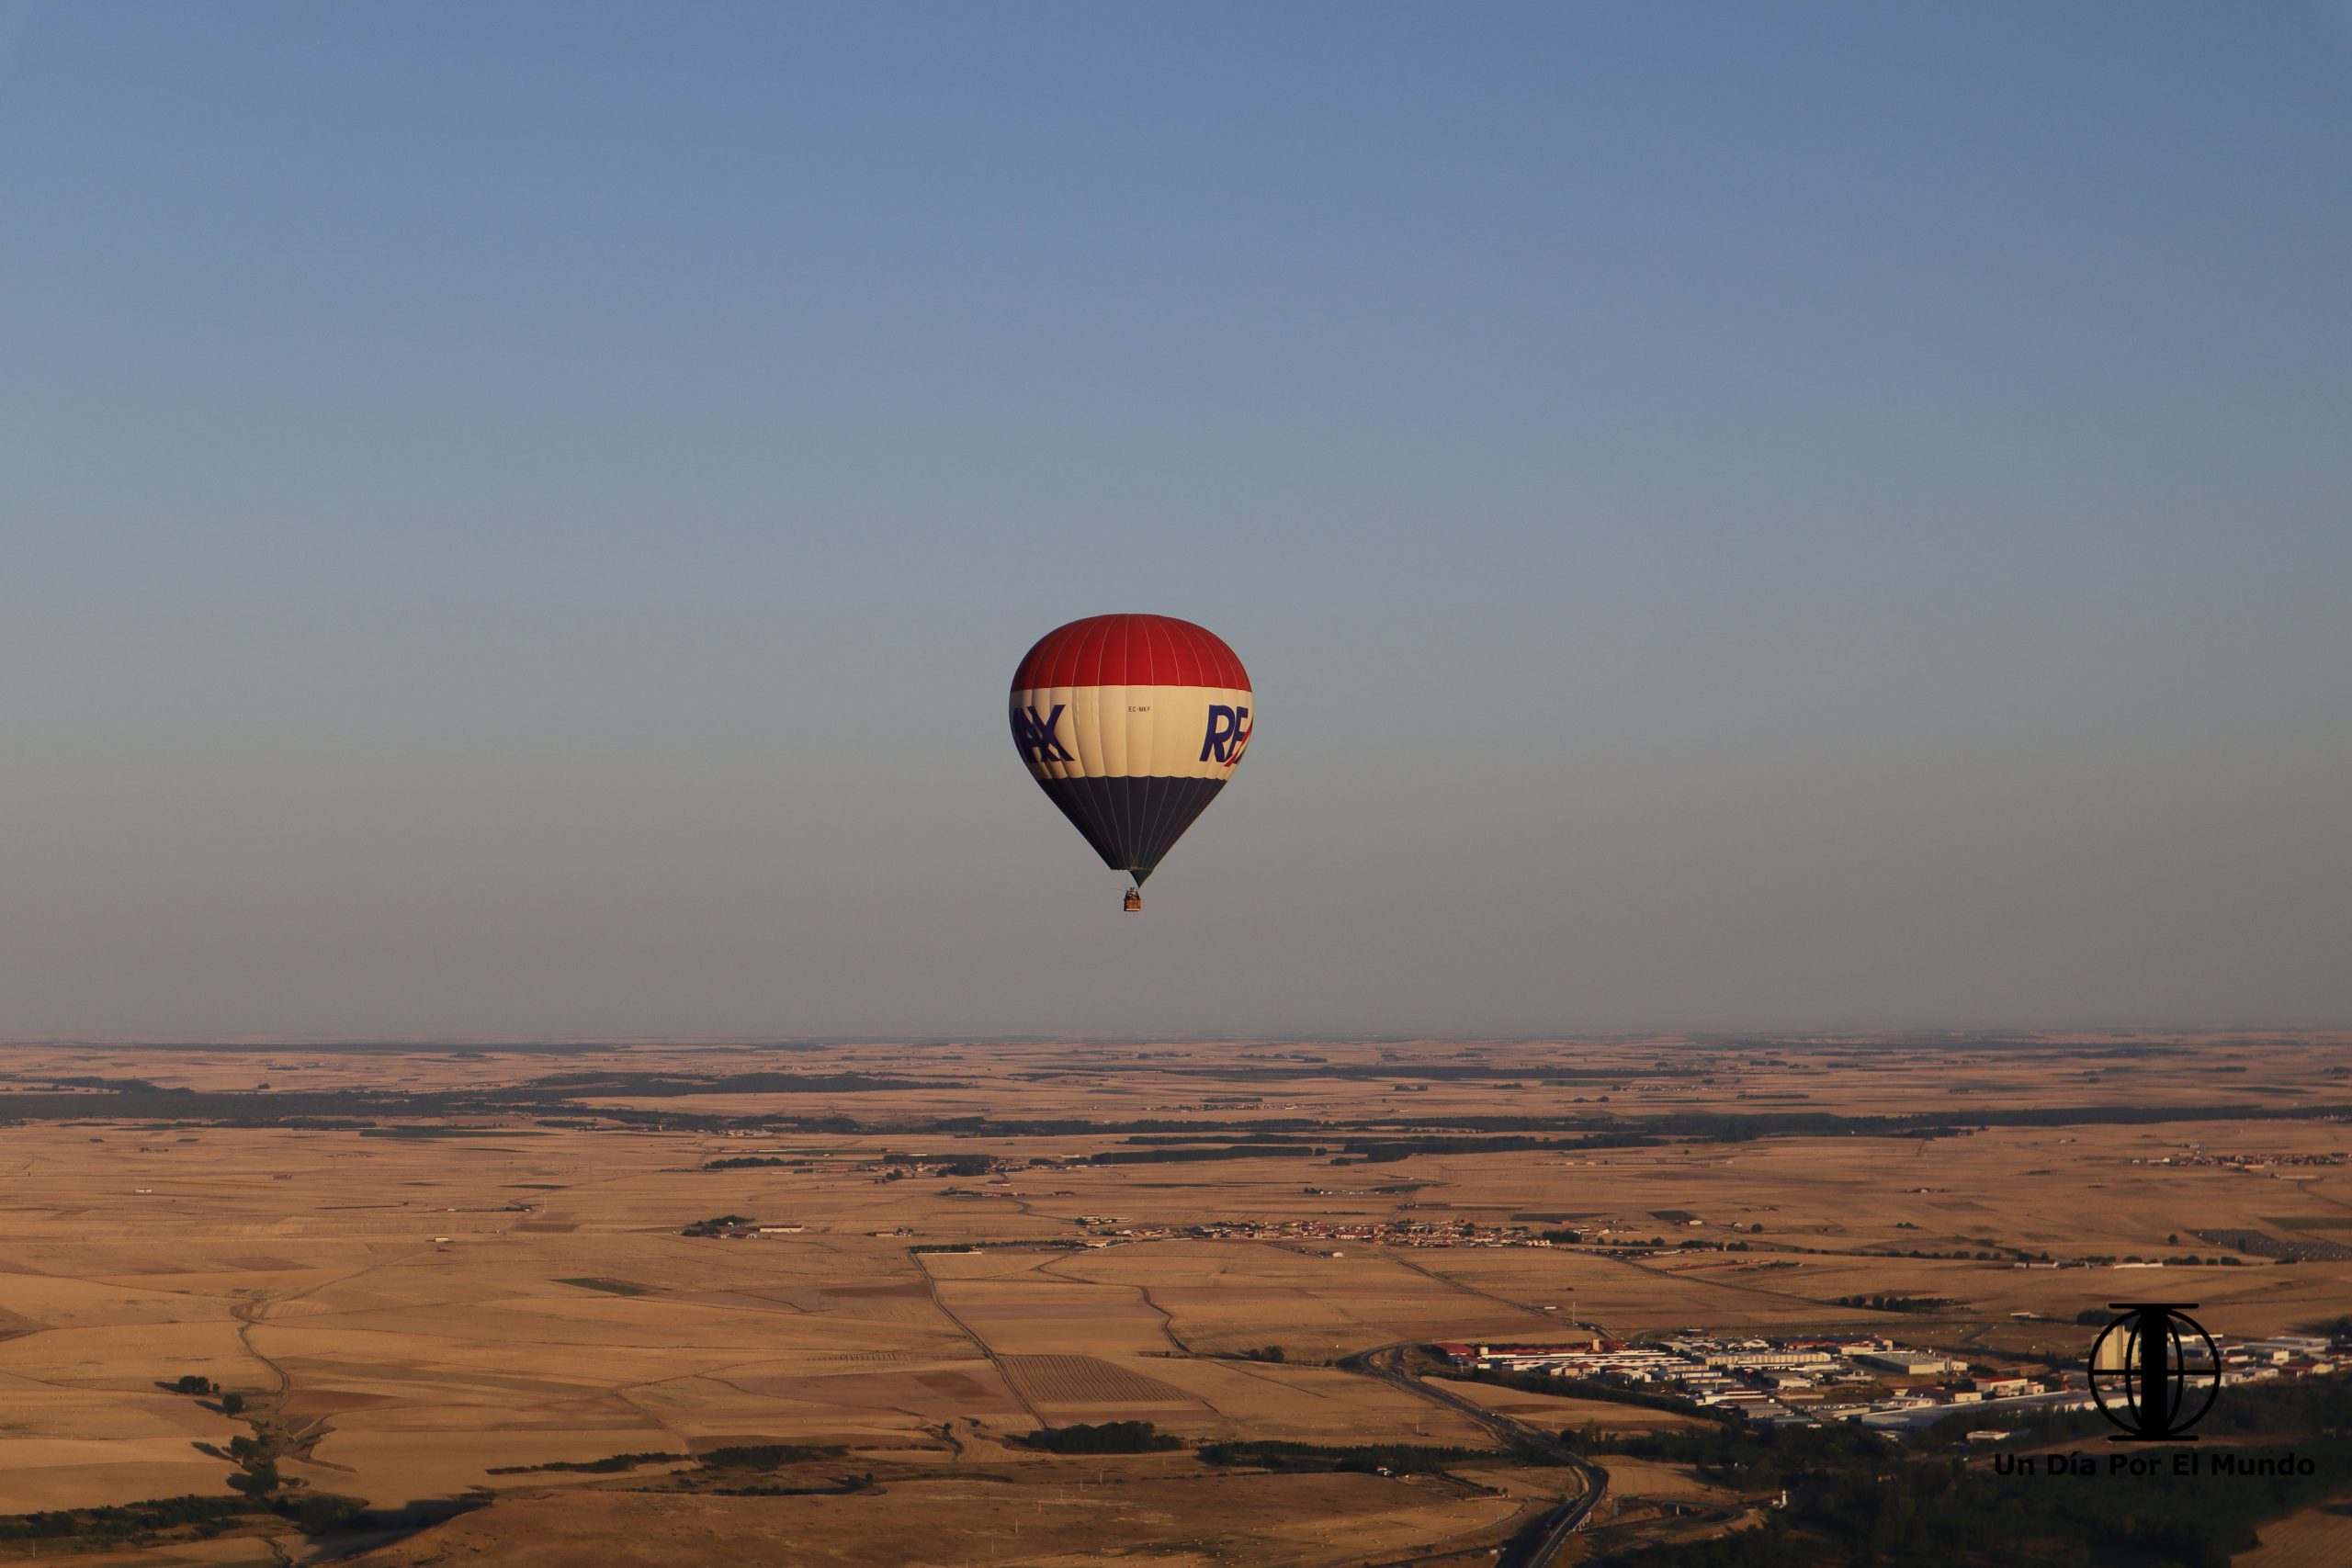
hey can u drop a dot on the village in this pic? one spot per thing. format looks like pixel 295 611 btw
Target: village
pixel 2198 1155
pixel 1867 1380
pixel 1367 1233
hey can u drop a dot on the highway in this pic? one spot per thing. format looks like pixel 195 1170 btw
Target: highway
pixel 1387 1364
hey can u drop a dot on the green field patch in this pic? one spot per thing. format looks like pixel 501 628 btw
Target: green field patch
pixel 610 1287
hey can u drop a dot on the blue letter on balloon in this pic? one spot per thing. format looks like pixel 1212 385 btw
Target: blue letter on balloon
pixel 1036 736
pixel 1219 738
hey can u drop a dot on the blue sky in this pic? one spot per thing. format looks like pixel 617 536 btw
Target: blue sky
pixel 516 520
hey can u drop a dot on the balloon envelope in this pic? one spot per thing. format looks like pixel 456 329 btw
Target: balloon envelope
pixel 1131 724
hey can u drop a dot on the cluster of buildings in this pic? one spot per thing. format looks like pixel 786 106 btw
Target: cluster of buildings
pixel 1777 1382
pixel 1872 1381
pixel 2198 1155
pixel 1788 1381
pixel 2280 1356
pixel 1008 1193
pixel 1370 1233
pixel 724 1228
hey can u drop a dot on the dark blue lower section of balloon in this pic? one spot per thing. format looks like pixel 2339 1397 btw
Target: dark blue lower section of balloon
pixel 1132 822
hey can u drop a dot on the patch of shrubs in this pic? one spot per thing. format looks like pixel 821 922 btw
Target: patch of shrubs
pixel 610 1464
pixel 1898 1303
pixel 1368 1458
pixel 1107 1437
pixel 764 1456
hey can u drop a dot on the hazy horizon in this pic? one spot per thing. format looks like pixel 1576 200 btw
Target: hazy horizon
pixel 2236 1035
pixel 517 522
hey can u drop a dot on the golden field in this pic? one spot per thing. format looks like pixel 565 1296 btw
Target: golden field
pixel 511 1287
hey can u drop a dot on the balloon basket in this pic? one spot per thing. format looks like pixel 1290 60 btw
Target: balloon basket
pixel 1135 899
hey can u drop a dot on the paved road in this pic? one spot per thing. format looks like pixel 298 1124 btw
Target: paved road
pixel 1387 1364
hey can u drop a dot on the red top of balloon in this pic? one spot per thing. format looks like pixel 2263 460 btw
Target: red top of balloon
pixel 1130 651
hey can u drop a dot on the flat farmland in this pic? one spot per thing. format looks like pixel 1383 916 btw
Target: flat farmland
pixel 2315 1538
pixel 430 1273
pixel 1060 1517
pixel 1559 1413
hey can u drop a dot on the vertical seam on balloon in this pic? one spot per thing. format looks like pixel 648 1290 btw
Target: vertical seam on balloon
pixel 1176 818
pixel 1127 686
pixel 1133 795
pixel 1139 801
pixel 1179 815
pixel 1172 817
pixel 1087 818
pixel 1113 795
pixel 1146 810
pixel 1203 792
pixel 1114 847
pixel 1162 807
pixel 1097 636
pixel 1163 802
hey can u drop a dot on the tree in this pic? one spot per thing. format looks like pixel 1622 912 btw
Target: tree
pixel 327 1510
pixel 1109 1438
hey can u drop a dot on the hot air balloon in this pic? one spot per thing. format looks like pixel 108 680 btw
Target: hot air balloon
pixel 1131 724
